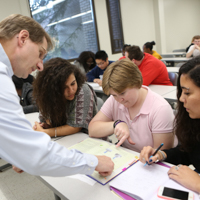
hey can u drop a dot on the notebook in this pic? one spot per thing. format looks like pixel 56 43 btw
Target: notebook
pixel 141 183
pixel 121 158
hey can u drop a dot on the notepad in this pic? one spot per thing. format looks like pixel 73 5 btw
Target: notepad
pixel 121 158
pixel 142 183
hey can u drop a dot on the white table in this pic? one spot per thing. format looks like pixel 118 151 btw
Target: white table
pixel 173 69
pixel 74 189
pixel 183 54
pixel 32 117
pixel 176 59
pixel 159 89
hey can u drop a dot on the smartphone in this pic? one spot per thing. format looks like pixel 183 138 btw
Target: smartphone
pixel 174 194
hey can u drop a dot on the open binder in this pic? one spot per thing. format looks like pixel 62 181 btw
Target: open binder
pixel 121 158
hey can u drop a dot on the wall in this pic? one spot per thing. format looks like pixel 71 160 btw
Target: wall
pixel 171 23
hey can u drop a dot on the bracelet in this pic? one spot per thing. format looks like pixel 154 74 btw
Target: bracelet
pixel 163 154
pixel 117 122
pixel 55 132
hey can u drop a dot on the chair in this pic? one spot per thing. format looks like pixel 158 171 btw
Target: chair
pixel 100 103
pixel 178 50
pixel 173 77
pixel 180 64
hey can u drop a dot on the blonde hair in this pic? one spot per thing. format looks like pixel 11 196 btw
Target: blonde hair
pixel 14 23
pixel 120 75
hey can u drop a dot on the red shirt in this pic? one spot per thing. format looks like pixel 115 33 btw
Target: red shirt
pixel 154 71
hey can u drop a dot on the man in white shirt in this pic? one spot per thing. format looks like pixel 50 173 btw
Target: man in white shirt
pixel 194 50
pixel 23 46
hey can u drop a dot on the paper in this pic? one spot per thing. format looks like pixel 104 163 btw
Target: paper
pixel 143 182
pixel 120 157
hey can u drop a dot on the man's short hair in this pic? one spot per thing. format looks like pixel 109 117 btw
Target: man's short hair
pixel 13 24
pixel 101 55
pixel 134 52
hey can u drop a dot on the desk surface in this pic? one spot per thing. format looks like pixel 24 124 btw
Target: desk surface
pixel 174 54
pixel 74 189
pixel 176 59
pixel 159 89
pixel 173 69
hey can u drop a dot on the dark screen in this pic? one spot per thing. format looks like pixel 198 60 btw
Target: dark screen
pixel 169 192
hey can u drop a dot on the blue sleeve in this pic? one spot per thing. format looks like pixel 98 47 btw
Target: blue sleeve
pixel 94 73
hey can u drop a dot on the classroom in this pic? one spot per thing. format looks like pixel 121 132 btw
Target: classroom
pixel 171 24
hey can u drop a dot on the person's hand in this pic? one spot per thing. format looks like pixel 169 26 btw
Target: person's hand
pixel 38 127
pixel 17 169
pixel 96 80
pixel 122 133
pixel 186 177
pixel 105 165
pixel 146 153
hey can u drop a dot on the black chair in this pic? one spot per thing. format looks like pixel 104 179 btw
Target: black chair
pixel 173 77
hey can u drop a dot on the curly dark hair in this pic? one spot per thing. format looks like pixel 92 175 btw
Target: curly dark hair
pixel 186 128
pixel 83 57
pixel 49 86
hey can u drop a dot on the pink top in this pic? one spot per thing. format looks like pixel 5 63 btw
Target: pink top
pixel 155 116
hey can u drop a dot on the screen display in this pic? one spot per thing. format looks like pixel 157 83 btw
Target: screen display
pixel 169 192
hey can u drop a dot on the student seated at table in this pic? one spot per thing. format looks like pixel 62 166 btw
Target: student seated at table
pixel 123 51
pixel 148 48
pixel 134 113
pixel 66 102
pixel 25 93
pixel 153 70
pixel 85 61
pixel 186 128
pixel 102 62
pixel 194 49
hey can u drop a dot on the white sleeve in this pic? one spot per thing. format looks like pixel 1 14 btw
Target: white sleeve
pixel 33 151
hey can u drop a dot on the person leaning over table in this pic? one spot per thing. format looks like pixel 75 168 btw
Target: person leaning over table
pixel 23 46
pixel 187 129
pixel 66 103
pixel 194 49
pixel 134 113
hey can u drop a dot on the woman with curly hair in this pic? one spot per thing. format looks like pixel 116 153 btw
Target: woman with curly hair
pixel 187 129
pixel 66 102
pixel 85 61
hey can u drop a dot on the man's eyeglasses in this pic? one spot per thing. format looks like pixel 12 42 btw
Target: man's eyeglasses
pixel 101 63
pixel 43 52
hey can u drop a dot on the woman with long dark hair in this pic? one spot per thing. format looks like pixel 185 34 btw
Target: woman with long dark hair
pixel 187 129
pixel 66 102
pixel 85 61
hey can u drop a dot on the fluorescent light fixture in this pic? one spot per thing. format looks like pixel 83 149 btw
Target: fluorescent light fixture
pixel 69 18
pixel 48 6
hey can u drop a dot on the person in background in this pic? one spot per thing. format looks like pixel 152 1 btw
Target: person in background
pixel 153 70
pixel 123 51
pixel 25 93
pixel 23 46
pixel 194 49
pixel 66 102
pixel 187 122
pixel 85 61
pixel 148 48
pixel 101 58
pixel 135 114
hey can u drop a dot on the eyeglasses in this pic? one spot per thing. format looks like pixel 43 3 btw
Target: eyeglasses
pixel 90 63
pixel 101 63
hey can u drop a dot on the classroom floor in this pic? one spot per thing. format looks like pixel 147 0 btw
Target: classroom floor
pixel 14 186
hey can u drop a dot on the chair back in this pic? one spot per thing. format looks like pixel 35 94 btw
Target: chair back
pixel 100 103
pixel 178 50
pixel 173 77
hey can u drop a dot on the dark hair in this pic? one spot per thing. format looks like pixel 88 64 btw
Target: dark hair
pixel 101 55
pixel 18 82
pixel 83 57
pixel 186 128
pixel 134 52
pixel 49 86
pixel 149 45
pixel 125 45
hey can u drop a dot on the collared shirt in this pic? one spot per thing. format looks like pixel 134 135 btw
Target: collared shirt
pixel 155 116
pixel 32 151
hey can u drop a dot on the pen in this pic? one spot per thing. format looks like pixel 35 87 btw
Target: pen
pixel 154 153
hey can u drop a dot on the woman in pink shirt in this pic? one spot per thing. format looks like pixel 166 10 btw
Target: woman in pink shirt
pixel 135 114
